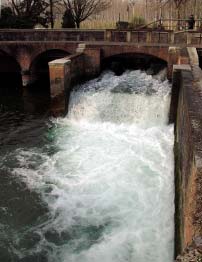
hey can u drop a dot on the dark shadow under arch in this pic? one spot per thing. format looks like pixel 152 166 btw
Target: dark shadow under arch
pixel 120 62
pixel 39 69
pixel 10 85
pixel 10 72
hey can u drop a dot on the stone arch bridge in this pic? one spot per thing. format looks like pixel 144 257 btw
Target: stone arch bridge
pixel 66 56
pixel 26 54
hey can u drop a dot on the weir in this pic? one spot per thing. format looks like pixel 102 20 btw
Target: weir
pixel 89 60
pixel 186 116
pixel 106 177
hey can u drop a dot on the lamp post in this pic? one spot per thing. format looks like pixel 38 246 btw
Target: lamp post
pixel 128 9
pixel 161 14
pixel 132 3
pixel 146 10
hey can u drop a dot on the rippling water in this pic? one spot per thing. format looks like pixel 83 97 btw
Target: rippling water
pixel 96 185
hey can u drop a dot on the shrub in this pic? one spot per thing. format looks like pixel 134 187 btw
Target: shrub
pixel 121 25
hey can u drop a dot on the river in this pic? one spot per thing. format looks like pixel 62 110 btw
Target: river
pixel 97 185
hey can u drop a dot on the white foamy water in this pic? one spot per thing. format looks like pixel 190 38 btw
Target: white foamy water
pixel 109 185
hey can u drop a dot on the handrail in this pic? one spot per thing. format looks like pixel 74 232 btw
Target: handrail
pixel 145 26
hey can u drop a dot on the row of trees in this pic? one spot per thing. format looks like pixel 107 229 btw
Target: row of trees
pixel 150 10
pixel 172 8
pixel 177 10
pixel 28 13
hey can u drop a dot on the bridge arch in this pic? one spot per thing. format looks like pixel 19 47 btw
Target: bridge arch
pixel 154 51
pixel 122 61
pixel 39 70
pixel 10 71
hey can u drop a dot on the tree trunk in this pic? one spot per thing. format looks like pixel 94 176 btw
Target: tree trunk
pixel 146 11
pixel 51 14
pixel 78 24
pixel 178 17
pixel 194 8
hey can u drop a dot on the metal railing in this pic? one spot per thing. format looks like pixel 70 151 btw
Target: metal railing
pixel 173 24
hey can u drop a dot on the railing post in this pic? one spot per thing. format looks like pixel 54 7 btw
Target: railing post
pixel 105 35
pixel 189 38
pixel 171 37
pixel 108 35
pixel 159 36
pixel 128 37
pixel 149 37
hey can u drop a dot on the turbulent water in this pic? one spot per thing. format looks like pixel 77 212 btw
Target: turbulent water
pixel 100 185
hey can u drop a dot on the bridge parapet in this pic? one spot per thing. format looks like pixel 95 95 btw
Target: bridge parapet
pixel 51 35
pixel 186 37
pixel 111 35
pixel 133 36
pixel 140 36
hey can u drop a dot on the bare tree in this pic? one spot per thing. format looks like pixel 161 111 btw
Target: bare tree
pixel 30 12
pixel 178 4
pixel 36 8
pixel 132 3
pixel 51 5
pixel 28 7
pixel 82 9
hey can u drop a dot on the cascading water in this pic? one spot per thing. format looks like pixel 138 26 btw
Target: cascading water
pixel 106 177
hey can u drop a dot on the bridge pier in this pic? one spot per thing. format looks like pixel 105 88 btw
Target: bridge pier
pixel 173 59
pixel 59 71
pixel 64 73
pixel 68 71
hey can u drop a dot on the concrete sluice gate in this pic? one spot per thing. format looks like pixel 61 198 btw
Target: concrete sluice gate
pixel 106 176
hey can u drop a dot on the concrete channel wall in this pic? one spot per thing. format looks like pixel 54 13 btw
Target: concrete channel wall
pixel 187 89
